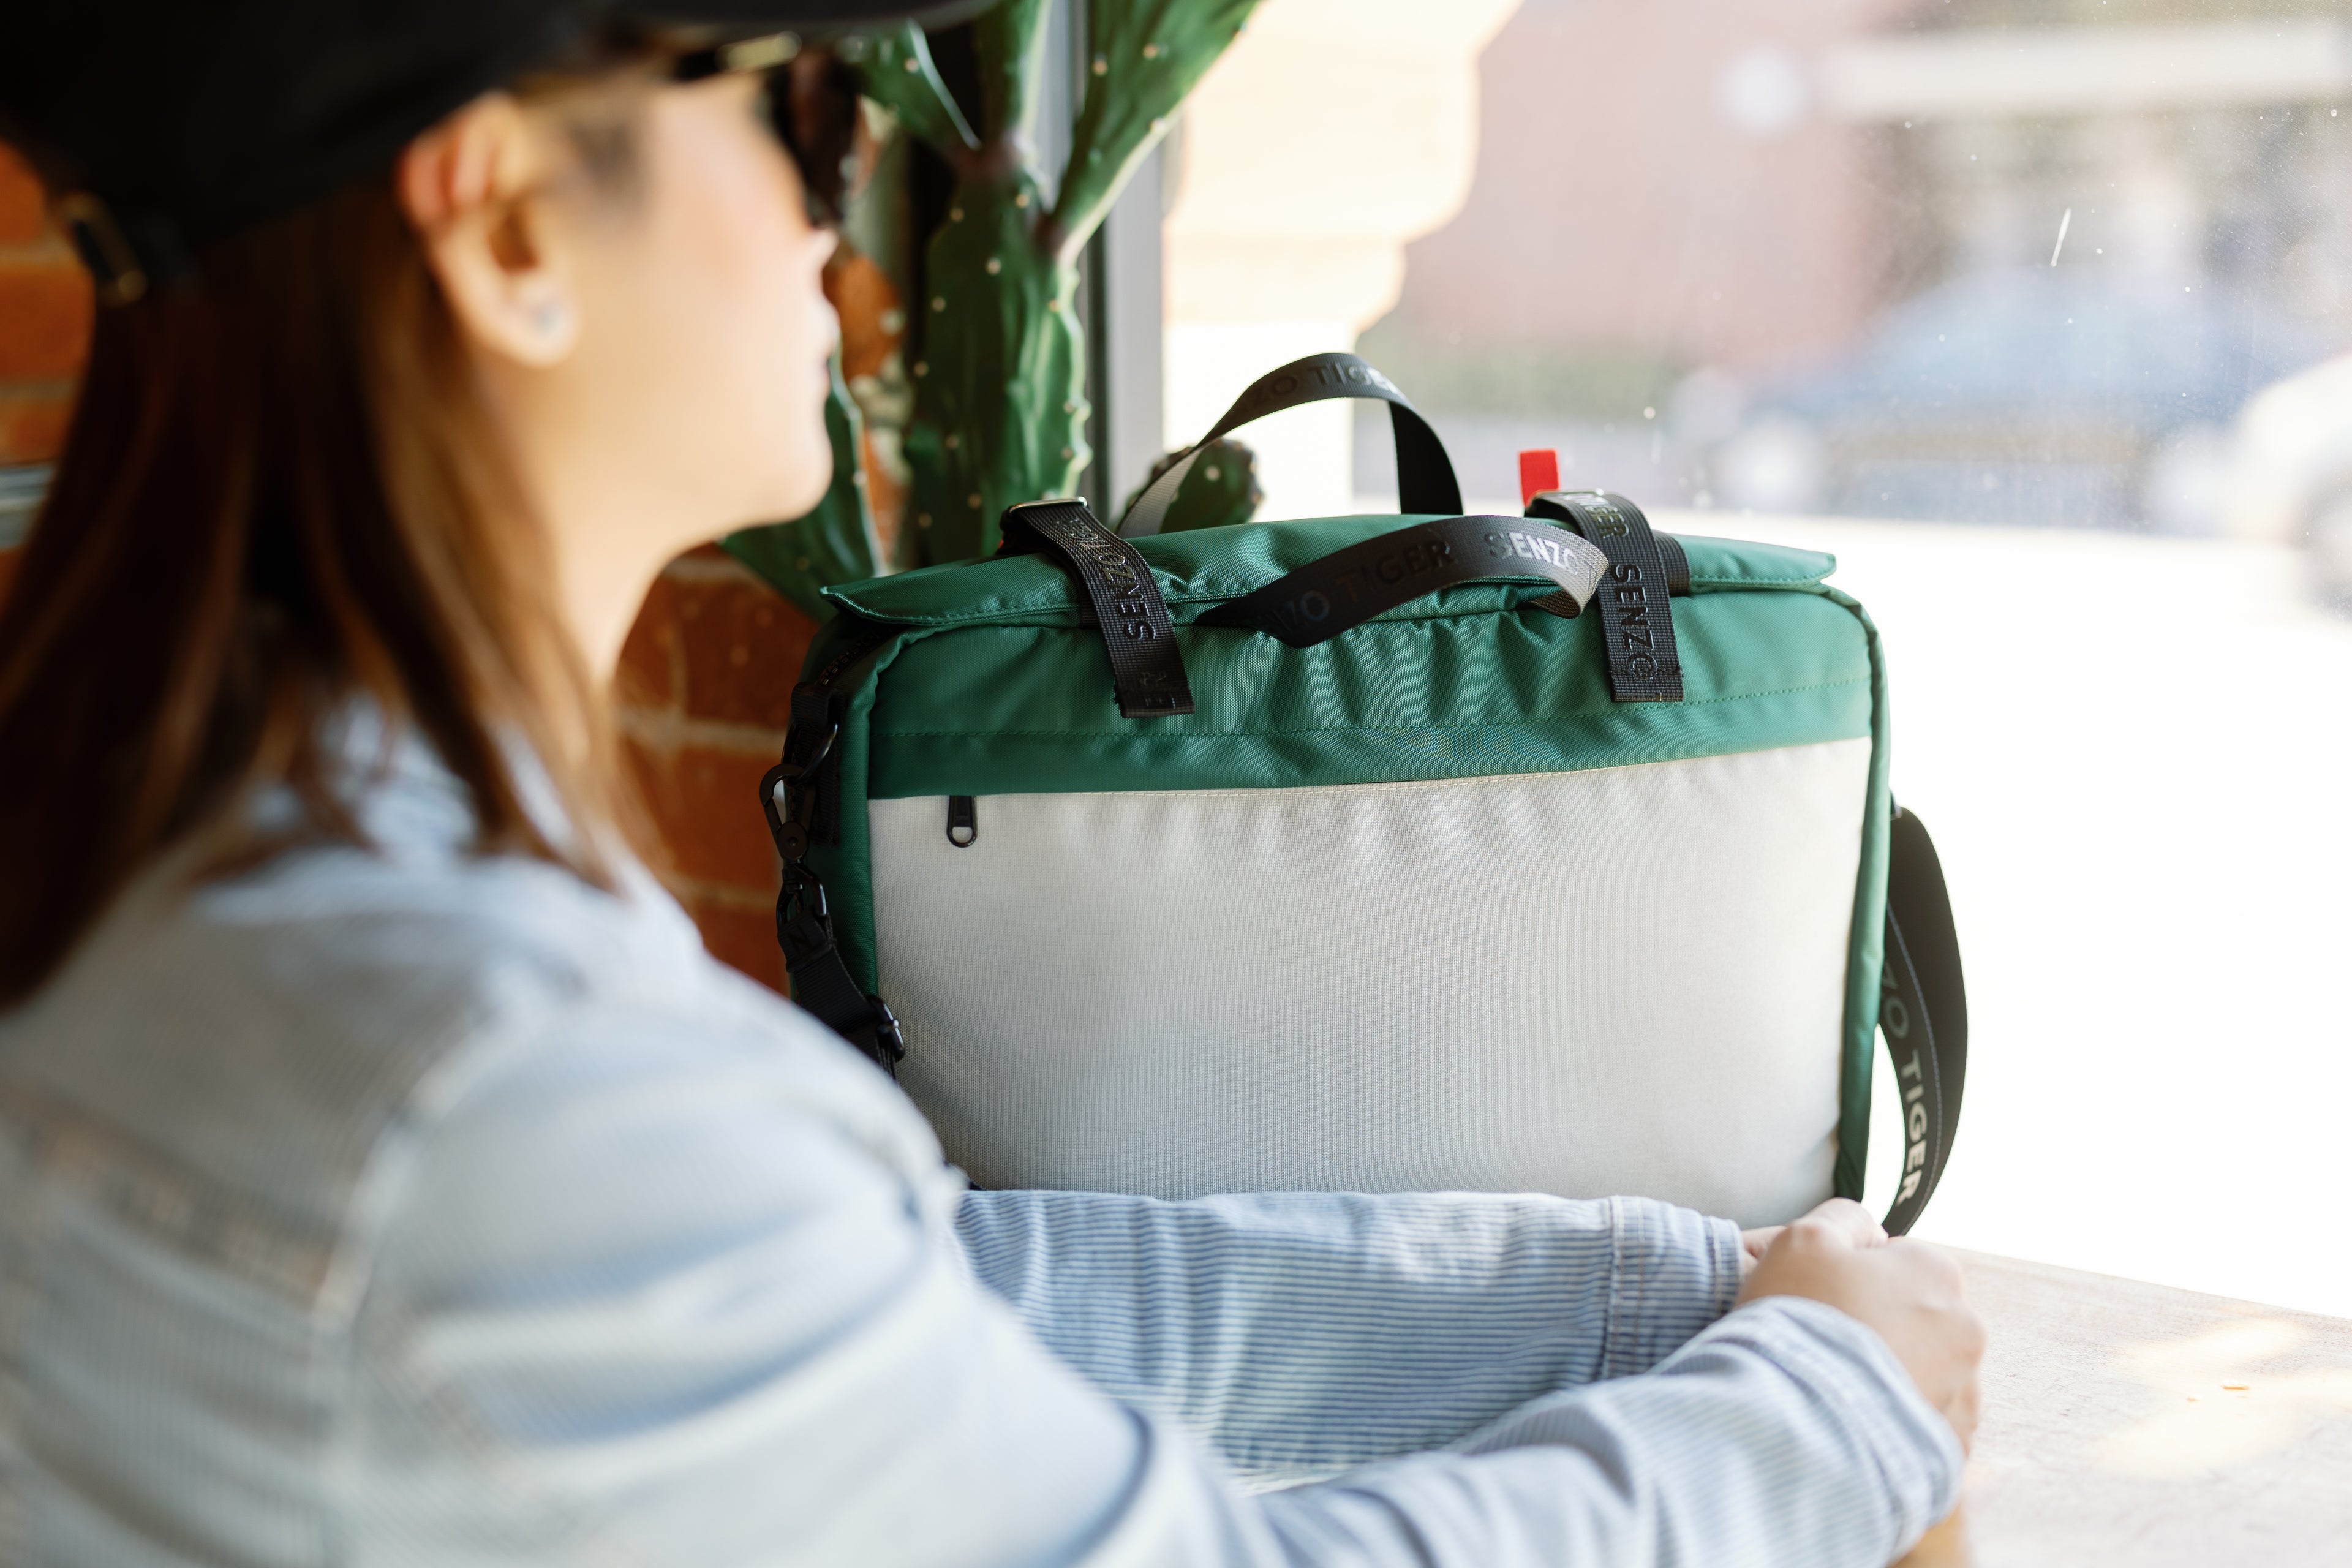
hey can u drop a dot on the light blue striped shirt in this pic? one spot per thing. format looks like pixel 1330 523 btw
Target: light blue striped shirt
pixel 415 1208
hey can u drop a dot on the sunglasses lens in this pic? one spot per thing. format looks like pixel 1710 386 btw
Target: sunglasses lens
pixel 813 104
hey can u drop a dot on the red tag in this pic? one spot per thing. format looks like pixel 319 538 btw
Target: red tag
pixel 1538 472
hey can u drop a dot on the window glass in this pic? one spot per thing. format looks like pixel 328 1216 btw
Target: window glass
pixel 2036 314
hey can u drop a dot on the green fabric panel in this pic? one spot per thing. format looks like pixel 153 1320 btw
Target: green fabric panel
pixel 1207 564
pixel 998 709
pixel 846 869
pixel 1868 952
pixel 1018 764
pixel 1742 563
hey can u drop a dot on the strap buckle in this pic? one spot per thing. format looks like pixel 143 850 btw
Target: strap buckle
pixel 803 918
pixel 821 981
pixel 788 799
pixel 889 1045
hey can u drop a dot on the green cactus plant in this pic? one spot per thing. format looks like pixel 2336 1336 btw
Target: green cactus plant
pixel 1221 490
pixel 999 396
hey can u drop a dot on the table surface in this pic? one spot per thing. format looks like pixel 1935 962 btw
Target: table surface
pixel 2138 1425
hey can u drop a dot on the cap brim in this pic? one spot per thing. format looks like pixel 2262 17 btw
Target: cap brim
pixel 801 12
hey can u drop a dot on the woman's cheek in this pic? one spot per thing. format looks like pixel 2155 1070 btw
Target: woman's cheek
pixel 767 324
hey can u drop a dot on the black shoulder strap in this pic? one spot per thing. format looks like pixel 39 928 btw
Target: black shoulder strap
pixel 1145 665
pixel 1425 481
pixel 1923 1014
pixel 800 796
pixel 1350 586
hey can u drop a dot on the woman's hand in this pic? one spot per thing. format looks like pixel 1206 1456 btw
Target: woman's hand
pixel 1910 1292
pixel 1844 1213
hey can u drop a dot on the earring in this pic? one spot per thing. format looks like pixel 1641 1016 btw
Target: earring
pixel 550 318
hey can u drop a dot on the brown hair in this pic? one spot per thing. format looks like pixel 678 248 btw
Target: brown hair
pixel 280 493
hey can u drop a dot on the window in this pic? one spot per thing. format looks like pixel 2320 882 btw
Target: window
pixel 2032 312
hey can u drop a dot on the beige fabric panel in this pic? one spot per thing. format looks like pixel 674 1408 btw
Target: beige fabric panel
pixel 1628 980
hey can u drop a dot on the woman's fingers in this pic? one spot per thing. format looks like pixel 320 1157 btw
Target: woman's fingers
pixel 1842 1220
pixel 1849 1218
pixel 1754 1244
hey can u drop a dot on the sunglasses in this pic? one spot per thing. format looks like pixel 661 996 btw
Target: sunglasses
pixel 811 103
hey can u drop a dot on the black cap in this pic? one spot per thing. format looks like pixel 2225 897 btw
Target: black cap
pixel 174 121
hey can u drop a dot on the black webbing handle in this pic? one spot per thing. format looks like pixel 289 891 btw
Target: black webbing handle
pixel 1425 481
pixel 1923 1014
pixel 1549 506
pixel 1146 667
pixel 1637 616
pixel 1350 586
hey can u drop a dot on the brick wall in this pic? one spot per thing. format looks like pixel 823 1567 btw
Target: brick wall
pixel 703 694
pixel 705 682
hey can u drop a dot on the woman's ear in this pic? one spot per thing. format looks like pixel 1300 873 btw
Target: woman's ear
pixel 467 185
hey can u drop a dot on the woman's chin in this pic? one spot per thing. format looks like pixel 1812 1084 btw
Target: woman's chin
pixel 798 495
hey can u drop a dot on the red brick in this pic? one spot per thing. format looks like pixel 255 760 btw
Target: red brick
pixel 743 645
pixel 714 647
pixel 44 316
pixel 706 803
pixel 23 206
pixel 745 939
pixel 650 675
pixel 33 428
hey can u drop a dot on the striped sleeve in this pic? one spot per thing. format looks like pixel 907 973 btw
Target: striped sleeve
pixel 650 1293
pixel 1304 1334
pixel 1786 1434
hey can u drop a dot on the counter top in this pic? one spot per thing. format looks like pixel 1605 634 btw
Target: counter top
pixel 2133 1426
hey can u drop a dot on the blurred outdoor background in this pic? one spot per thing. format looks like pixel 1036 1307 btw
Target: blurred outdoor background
pixel 2034 311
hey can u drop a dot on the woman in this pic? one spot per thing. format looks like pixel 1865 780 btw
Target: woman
pixel 389 1175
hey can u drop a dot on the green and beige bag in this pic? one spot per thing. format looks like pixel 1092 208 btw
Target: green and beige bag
pixel 1428 852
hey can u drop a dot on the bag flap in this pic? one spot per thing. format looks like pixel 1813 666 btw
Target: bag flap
pixel 1209 565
